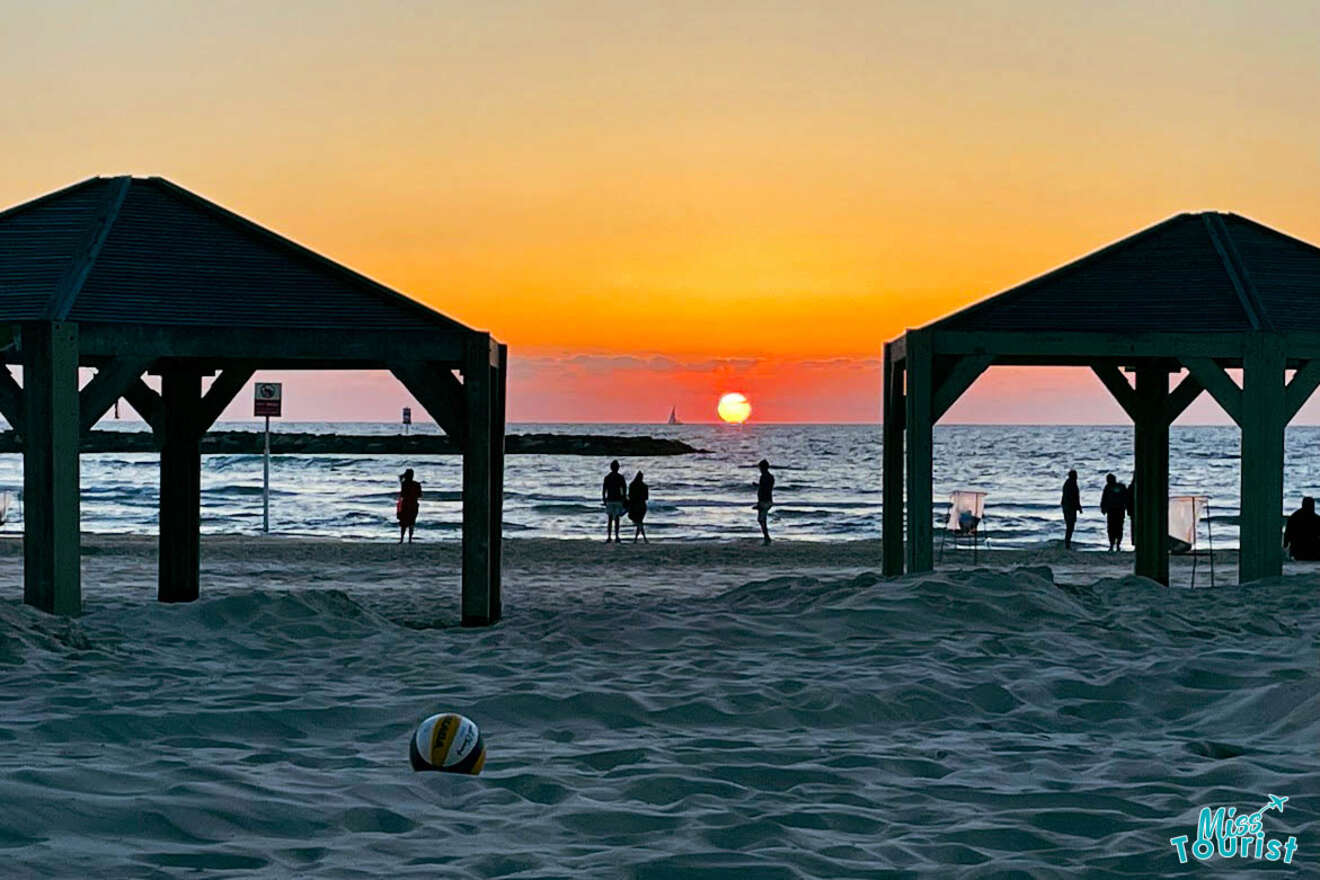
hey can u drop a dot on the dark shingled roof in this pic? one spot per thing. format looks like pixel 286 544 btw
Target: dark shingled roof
pixel 125 250
pixel 1191 273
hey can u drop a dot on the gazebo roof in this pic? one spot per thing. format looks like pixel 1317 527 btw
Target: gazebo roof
pixel 1192 273
pixel 143 251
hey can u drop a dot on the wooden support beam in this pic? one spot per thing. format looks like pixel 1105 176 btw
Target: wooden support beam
pixel 11 399
pixel 497 431
pixel 147 403
pixel 438 392
pixel 348 348
pixel 1112 378
pixel 222 392
pixel 51 565
pixel 1303 385
pixel 180 487
pixel 1221 387
pixel 920 452
pixel 107 386
pixel 1182 396
pixel 1263 421
pixel 478 608
pixel 1151 447
pixel 959 377
pixel 891 533
pixel 1090 347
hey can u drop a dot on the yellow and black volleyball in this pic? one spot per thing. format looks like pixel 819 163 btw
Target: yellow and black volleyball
pixel 449 743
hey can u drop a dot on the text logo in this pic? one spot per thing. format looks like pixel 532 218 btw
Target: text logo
pixel 1222 832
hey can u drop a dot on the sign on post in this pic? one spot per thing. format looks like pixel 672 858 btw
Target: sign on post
pixel 266 399
pixel 407 415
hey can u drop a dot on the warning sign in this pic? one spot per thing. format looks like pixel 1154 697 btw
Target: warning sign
pixel 266 398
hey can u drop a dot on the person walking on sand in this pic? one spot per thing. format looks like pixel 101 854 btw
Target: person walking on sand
pixel 1071 502
pixel 614 494
pixel 410 492
pixel 765 498
pixel 1113 504
pixel 638 494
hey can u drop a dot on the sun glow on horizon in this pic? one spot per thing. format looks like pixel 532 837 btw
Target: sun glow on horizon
pixel 734 408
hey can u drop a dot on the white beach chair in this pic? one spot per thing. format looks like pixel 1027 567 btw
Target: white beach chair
pixel 966 519
pixel 1185 515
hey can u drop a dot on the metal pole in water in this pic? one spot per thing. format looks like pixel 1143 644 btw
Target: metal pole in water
pixel 265 483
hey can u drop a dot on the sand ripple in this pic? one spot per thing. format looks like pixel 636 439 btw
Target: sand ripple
pixel 972 724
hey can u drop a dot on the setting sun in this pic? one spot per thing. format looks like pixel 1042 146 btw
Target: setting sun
pixel 733 407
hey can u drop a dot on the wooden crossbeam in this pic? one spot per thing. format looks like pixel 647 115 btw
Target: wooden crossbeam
pixel 956 380
pixel 1112 378
pixel 1303 385
pixel 1216 381
pixel 1182 396
pixel 11 399
pixel 439 392
pixel 221 393
pixel 107 386
pixel 147 403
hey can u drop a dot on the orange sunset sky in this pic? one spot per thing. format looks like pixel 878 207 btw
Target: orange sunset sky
pixel 653 203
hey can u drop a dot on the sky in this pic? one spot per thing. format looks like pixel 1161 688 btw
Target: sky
pixel 655 203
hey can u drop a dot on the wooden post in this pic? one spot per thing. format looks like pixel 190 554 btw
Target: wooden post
pixel 894 411
pixel 1151 449
pixel 497 432
pixel 1263 423
pixel 51 576
pixel 920 451
pixel 478 558
pixel 180 487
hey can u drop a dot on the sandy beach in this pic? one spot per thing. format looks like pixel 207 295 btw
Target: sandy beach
pixel 690 710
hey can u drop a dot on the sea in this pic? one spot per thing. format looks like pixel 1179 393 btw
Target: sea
pixel 828 483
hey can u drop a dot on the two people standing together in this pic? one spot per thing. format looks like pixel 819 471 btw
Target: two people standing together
pixel 620 497
pixel 1116 502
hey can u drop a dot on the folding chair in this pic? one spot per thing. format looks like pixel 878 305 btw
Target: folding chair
pixel 1185 515
pixel 965 520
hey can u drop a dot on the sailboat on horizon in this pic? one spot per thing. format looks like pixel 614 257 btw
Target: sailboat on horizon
pixel 673 416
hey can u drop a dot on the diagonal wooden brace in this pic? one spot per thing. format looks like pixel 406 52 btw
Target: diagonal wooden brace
pixel 439 392
pixel 107 386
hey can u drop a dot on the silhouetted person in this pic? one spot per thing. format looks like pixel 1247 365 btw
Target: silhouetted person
pixel 1302 536
pixel 1113 504
pixel 638 494
pixel 614 493
pixel 410 492
pixel 765 497
pixel 1072 505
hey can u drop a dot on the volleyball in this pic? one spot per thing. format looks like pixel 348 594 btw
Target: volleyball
pixel 448 743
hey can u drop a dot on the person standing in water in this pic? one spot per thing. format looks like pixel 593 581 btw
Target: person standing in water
pixel 1113 504
pixel 1072 505
pixel 638 494
pixel 614 493
pixel 765 497
pixel 410 492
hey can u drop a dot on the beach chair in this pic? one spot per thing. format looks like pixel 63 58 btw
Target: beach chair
pixel 1186 512
pixel 965 522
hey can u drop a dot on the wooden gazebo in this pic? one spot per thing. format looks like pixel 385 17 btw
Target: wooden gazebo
pixel 132 276
pixel 1202 292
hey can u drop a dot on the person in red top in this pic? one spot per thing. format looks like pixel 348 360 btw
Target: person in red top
pixel 409 492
